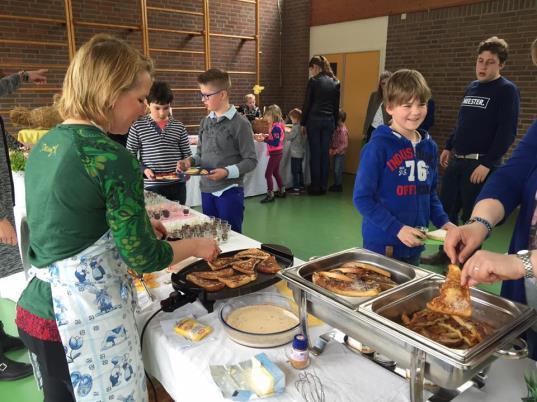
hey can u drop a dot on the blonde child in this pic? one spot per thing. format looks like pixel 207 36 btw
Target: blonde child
pixel 249 109
pixel 274 141
pixel 395 189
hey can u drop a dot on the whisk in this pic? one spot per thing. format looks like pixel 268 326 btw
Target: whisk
pixel 310 387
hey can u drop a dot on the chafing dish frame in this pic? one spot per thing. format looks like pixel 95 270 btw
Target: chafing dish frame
pixel 407 350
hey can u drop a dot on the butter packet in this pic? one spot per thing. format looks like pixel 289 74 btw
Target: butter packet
pixel 256 378
pixel 192 329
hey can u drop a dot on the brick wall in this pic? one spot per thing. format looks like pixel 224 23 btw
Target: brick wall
pixel 442 45
pixel 226 17
pixel 295 51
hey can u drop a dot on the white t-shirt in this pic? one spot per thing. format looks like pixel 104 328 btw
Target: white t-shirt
pixel 378 119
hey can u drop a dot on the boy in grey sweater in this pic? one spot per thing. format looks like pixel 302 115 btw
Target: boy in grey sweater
pixel 298 146
pixel 226 148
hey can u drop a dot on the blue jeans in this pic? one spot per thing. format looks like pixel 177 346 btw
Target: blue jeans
pixel 229 206
pixel 296 170
pixel 338 169
pixel 320 130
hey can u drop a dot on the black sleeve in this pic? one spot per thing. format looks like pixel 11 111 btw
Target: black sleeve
pixel 336 101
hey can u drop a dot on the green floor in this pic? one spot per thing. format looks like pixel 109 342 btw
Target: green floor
pixel 309 226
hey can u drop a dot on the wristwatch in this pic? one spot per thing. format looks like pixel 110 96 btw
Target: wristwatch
pixel 525 257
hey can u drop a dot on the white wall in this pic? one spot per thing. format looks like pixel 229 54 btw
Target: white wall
pixel 352 36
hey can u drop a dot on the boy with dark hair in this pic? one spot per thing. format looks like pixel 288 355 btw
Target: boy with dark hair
pixel 485 129
pixel 395 188
pixel 225 147
pixel 160 142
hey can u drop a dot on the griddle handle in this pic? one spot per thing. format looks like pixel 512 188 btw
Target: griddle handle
pixel 177 299
pixel 279 250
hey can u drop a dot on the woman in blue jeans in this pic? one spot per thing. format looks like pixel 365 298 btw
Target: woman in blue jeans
pixel 319 117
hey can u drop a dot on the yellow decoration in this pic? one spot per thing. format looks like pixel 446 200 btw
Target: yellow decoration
pixel 30 136
pixel 258 89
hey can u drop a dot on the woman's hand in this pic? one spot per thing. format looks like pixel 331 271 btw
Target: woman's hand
pixel 489 267
pixel 206 248
pixel 38 76
pixel 7 233
pixel 462 241
pixel 411 237
pixel 159 229
pixel 479 174
pixel 445 156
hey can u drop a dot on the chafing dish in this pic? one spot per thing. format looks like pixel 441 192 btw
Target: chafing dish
pixel 376 321
pixel 401 272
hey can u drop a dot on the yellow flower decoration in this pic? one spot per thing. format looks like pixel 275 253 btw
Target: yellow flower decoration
pixel 258 89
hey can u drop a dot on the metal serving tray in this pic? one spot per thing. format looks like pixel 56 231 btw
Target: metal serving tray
pixel 401 272
pixel 500 314
pixel 369 324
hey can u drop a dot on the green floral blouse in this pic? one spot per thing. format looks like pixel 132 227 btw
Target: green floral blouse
pixel 80 184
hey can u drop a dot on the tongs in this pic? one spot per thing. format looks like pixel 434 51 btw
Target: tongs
pixel 140 277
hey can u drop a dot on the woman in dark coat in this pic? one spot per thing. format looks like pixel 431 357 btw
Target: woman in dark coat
pixel 319 117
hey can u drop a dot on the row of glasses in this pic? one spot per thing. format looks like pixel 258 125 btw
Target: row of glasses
pixel 214 228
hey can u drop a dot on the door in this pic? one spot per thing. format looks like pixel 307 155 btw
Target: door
pixel 358 73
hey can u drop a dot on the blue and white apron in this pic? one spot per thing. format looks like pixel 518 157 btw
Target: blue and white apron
pixel 94 305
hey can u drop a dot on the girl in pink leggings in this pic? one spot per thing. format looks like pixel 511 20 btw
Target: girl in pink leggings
pixel 274 140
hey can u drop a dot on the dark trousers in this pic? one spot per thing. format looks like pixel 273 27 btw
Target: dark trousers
pixel 298 174
pixel 273 169
pixel 320 130
pixel 229 206
pixel 53 368
pixel 457 192
pixel 173 192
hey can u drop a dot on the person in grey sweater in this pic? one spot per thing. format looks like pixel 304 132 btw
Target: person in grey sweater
pixel 225 148
pixel 298 148
pixel 10 260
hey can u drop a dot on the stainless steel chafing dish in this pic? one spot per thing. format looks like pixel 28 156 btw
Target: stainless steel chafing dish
pixel 401 272
pixel 376 321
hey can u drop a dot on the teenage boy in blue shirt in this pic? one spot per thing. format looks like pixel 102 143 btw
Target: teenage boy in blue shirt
pixel 485 129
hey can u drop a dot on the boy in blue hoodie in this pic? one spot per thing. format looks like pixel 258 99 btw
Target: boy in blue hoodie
pixel 395 188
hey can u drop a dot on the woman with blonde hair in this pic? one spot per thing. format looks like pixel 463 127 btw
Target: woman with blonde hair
pixel 87 222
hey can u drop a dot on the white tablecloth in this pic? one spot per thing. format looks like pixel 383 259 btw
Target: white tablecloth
pixel 185 373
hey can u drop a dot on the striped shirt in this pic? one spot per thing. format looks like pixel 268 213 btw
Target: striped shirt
pixel 156 149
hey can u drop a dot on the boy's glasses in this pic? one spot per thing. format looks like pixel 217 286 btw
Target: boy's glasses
pixel 205 97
